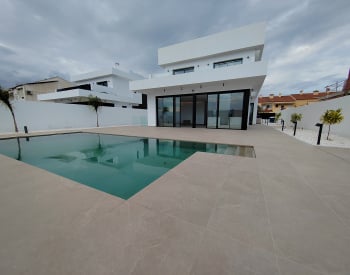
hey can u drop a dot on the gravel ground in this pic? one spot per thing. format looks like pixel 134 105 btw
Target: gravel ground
pixel 310 136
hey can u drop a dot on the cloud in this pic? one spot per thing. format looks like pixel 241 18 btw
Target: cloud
pixel 306 41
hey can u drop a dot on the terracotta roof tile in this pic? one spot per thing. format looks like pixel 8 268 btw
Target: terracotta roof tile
pixel 311 96
pixel 294 97
pixel 277 99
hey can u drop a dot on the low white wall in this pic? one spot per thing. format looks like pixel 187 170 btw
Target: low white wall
pixel 38 116
pixel 312 113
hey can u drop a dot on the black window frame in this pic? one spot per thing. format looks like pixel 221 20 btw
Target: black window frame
pixel 245 108
pixel 227 63
pixel 183 70
pixel 103 83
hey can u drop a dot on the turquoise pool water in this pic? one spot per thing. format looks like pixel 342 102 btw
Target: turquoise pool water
pixel 118 165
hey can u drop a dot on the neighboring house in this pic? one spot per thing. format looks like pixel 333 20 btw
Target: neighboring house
pixel 30 91
pixel 111 86
pixel 210 82
pixel 346 87
pixel 302 98
pixel 270 105
pixel 274 104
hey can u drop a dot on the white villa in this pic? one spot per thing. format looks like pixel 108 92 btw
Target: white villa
pixel 111 86
pixel 211 82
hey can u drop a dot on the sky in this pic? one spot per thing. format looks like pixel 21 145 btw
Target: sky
pixel 307 42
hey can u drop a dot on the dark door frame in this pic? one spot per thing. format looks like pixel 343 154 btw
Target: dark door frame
pixel 245 108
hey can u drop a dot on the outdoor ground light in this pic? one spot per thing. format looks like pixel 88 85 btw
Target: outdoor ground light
pixel 295 126
pixel 319 132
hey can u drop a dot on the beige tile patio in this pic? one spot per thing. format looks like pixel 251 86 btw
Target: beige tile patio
pixel 304 228
pixel 221 255
pixel 212 214
pixel 176 195
pixel 288 267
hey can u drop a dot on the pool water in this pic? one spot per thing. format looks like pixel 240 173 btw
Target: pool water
pixel 118 165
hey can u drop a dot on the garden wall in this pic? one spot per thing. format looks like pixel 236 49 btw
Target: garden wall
pixel 39 116
pixel 313 112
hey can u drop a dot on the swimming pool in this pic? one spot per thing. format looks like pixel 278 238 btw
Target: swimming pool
pixel 118 165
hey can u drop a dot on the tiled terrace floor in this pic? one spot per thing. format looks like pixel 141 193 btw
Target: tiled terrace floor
pixel 285 212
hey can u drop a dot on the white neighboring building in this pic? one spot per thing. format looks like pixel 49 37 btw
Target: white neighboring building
pixel 111 86
pixel 212 82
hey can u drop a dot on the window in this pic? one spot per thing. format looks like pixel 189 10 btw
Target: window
pixel 228 63
pixel 276 105
pixel 103 83
pixel 183 70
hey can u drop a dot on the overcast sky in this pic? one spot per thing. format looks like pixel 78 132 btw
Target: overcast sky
pixel 307 42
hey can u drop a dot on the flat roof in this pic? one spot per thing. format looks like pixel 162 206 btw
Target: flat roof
pixel 247 37
pixel 107 72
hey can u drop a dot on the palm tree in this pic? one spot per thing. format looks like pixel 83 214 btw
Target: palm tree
pixel 277 117
pixel 332 117
pixel 295 117
pixel 95 102
pixel 5 99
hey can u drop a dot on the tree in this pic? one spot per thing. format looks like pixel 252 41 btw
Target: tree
pixel 95 102
pixel 295 117
pixel 332 117
pixel 277 116
pixel 5 99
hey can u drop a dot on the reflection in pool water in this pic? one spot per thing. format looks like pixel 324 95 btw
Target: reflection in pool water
pixel 118 165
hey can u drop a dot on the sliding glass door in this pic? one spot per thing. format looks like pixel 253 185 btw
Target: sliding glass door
pixel 200 110
pixel 223 110
pixel 230 110
pixel 212 110
pixel 165 111
pixel 186 109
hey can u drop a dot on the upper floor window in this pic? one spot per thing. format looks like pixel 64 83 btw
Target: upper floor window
pixel 184 70
pixel 228 63
pixel 103 83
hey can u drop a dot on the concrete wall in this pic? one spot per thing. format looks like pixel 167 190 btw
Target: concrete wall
pixel 313 112
pixel 246 75
pixel 205 63
pixel 152 112
pixel 46 116
pixel 249 36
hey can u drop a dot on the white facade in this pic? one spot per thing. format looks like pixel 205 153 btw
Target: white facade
pixel 229 61
pixel 111 86
pixel 42 116
pixel 313 112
